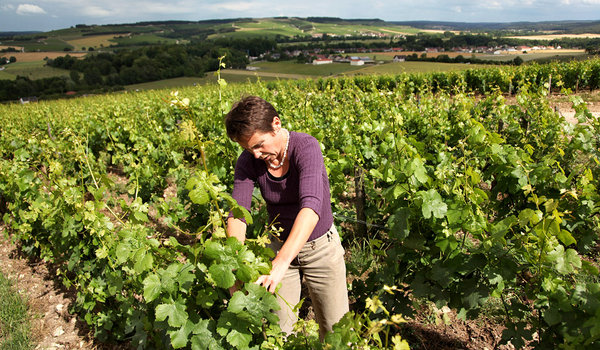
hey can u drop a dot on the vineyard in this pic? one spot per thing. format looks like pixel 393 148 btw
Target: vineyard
pixel 463 199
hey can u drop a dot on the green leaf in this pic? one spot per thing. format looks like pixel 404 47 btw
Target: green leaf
pixel 179 338
pixel 245 273
pixel 140 216
pixel 241 212
pixel 206 298
pixel 417 169
pixel 398 222
pixel 174 312
pixel 213 250
pixel 530 216
pixel 203 338
pixel 222 275
pixel 236 330
pixel 152 287
pixel 238 339
pixel 199 196
pixel 433 204
pixel 143 260
pixel 186 277
pixel 258 304
pixel 564 262
pixel 566 238
pixel 122 252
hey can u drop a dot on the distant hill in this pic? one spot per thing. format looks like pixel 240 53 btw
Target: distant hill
pixel 11 34
pixel 282 29
pixel 561 27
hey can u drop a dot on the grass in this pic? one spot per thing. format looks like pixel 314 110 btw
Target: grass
pixel 50 44
pixel 33 70
pixel 530 56
pixel 309 70
pixel 15 330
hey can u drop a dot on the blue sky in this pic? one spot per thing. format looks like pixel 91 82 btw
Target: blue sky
pixel 20 15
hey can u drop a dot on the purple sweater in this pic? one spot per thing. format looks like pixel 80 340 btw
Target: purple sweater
pixel 305 185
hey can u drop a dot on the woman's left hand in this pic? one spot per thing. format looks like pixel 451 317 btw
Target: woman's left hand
pixel 271 281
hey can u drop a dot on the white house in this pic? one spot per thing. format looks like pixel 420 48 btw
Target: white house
pixel 322 61
pixel 399 58
pixel 357 62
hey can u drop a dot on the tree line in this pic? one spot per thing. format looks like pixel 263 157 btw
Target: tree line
pixel 107 71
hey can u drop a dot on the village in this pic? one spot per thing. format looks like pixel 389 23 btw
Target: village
pixel 356 57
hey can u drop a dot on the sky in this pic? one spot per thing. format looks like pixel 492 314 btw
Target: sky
pixel 45 15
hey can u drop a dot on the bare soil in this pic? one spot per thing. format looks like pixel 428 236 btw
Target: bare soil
pixel 53 326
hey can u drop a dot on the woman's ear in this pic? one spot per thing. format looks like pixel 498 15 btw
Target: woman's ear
pixel 276 124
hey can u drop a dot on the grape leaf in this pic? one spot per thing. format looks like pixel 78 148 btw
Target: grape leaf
pixel 175 312
pixel 152 287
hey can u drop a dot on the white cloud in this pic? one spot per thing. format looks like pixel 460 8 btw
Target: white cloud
pixel 7 7
pixel 579 2
pixel 233 6
pixel 95 11
pixel 28 9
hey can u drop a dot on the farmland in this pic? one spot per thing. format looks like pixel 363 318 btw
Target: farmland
pixel 477 196
pixel 31 69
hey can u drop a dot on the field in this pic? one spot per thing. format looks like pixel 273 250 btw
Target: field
pixel 555 36
pixel 292 27
pixel 308 70
pixel 95 41
pixel 140 39
pixel 414 67
pixel 303 69
pixel 49 44
pixel 270 71
pixel 39 56
pixel 533 55
pixel 32 70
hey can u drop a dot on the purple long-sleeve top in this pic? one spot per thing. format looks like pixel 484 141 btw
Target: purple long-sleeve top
pixel 305 185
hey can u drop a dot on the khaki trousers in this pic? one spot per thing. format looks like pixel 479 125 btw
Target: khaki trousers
pixel 321 262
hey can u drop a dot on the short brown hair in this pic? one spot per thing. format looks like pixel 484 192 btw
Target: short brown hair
pixel 249 115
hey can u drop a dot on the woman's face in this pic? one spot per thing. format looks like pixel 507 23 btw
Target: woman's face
pixel 265 145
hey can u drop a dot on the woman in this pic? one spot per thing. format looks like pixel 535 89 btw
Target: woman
pixel 288 167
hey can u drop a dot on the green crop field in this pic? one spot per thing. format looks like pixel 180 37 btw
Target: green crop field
pixel 49 44
pixel 32 70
